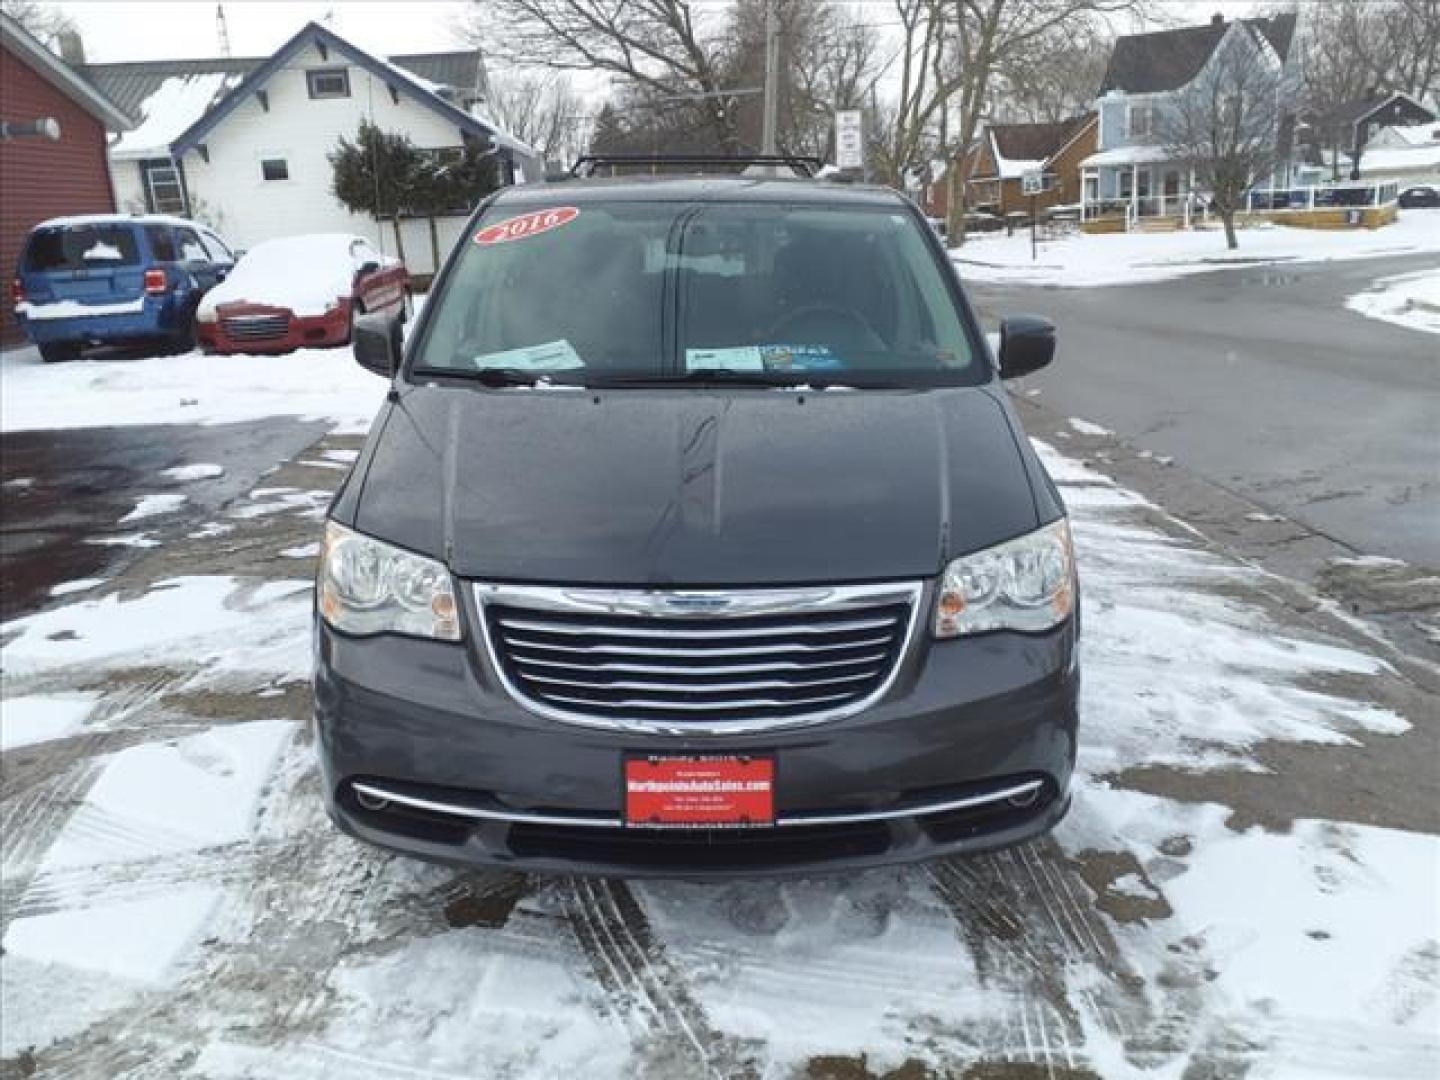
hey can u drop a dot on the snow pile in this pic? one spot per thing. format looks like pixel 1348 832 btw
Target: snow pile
pixel 189 389
pixel 306 274
pixel 1083 259
pixel 42 717
pixel 1411 300
pixel 217 624
pixel 180 101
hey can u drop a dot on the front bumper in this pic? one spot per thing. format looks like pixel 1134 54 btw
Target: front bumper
pixel 307 332
pixel 971 748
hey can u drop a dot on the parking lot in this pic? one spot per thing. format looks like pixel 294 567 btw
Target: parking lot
pixel 1253 813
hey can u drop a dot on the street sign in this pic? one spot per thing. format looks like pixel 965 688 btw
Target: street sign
pixel 849 139
pixel 1032 182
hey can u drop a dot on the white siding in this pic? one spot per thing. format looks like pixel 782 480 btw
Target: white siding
pixel 230 194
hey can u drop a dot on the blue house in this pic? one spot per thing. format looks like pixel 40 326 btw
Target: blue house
pixel 1131 176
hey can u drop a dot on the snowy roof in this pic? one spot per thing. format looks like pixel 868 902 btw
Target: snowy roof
pixel 109 219
pixel 179 102
pixel 1401 136
pixel 1126 155
pixel 1401 159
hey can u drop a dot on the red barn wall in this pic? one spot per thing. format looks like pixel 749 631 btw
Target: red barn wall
pixel 41 179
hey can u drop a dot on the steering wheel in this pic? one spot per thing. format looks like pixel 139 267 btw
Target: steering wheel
pixel 820 324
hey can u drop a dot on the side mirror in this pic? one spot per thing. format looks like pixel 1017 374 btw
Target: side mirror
pixel 377 342
pixel 369 267
pixel 1027 343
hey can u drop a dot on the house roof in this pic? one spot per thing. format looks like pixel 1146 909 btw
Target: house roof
pixel 1018 148
pixel 60 75
pixel 1166 60
pixel 1351 112
pixel 1036 141
pixel 177 101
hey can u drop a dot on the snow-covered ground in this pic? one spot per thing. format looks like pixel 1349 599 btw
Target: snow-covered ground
pixel 1411 300
pixel 1082 260
pixel 189 389
pixel 176 904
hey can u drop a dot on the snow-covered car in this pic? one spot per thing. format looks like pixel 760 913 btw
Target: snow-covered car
pixel 300 291
pixel 1420 196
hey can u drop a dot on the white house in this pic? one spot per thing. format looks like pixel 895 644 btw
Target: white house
pixel 1409 155
pixel 243 144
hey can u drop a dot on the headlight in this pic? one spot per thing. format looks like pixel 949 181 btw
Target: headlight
pixel 1025 584
pixel 370 587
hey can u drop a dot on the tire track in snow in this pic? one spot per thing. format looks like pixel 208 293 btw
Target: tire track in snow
pixel 644 989
pixel 1030 938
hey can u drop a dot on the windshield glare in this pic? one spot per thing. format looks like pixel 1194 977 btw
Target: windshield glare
pixel 793 293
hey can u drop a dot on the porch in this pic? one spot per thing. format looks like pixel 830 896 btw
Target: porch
pixel 1136 188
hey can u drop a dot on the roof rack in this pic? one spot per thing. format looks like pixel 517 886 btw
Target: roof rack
pixel 802 165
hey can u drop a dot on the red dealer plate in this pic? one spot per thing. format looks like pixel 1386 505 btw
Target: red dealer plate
pixel 702 791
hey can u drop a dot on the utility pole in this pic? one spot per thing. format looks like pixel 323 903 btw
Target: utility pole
pixel 769 137
pixel 221 30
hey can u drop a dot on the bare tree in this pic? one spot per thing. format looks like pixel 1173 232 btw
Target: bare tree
pixel 541 109
pixel 669 47
pixel 1058 77
pixel 45 22
pixel 1353 51
pixel 1225 125
pixel 828 62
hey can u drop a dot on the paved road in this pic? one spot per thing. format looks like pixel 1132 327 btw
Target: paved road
pixel 1260 380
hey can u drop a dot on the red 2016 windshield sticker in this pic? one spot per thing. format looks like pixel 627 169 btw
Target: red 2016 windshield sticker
pixel 527 225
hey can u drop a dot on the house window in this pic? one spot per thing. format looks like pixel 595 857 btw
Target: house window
pixel 275 169
pixel 1127 179
pixel 163 191
pixel 1142 121
pixel 328 82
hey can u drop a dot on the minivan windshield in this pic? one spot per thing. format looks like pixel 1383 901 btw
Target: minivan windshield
pixel 626 292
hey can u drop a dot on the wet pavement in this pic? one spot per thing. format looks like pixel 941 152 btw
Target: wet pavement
pixel 274 946
pixel 1260 380
pixel 65 494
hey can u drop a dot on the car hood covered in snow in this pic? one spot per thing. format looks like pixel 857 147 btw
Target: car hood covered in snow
pixel 687 487
pixel 303 273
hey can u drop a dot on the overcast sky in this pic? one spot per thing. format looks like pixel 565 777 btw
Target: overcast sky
pixel 168 29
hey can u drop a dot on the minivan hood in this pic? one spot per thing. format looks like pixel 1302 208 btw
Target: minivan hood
pixel 693 487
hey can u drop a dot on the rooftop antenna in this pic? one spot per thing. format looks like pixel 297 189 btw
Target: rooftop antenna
pixel 221 31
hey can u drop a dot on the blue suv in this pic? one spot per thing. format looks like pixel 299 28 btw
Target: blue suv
pixel 114 278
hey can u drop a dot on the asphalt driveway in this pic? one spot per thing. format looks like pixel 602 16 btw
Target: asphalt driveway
pixel 1260 380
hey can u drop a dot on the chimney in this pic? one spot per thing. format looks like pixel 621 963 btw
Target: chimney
pixel 72 48
pixel 1218 19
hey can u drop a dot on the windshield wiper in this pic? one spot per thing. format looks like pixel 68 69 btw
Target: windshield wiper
pixel 509 376
pixel 722 376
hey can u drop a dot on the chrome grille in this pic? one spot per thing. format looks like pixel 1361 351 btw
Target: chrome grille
pixel 724 661
pixel 255 327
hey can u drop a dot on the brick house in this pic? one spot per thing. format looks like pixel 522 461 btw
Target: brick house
pixel 1005 152
pixel 45 177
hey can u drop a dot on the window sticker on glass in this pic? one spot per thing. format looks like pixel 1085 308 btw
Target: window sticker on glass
pixel 526 225
pixel 743 358
pixel 799 358
pixel 551 356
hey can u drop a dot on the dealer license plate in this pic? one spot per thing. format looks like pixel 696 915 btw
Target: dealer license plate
pixel 702 791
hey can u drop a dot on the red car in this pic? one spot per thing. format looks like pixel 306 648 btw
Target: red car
pixel 300 292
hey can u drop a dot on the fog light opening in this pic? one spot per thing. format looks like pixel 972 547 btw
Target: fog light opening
pixel 1024 800
pixel 371 802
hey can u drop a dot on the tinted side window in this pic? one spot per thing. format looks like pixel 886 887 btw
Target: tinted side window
pixel 93 247
pixel 162 247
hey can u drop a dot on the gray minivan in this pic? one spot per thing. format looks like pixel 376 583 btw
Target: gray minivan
pixel 697 536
